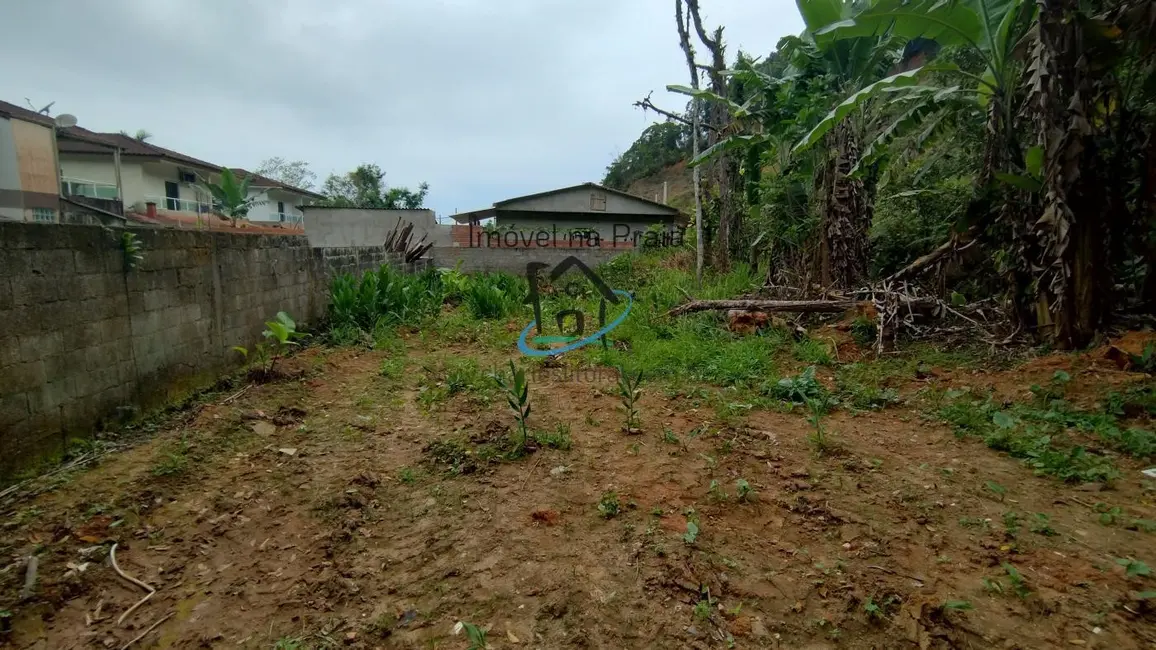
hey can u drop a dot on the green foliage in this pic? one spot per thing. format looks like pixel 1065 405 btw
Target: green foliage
pixel 691 534
pixel 1019 585
pixel 813 351
pixel 492 295
pixel 864 331
pixel 559 438
pixel 475 635
pixel 1042 525
pixel 996 489
pixel 517 391
pixel 280 336
pixel 1146 360
pixel 818 436
pixel 802 389
pixel 133 250
pixel 744 490
pixel 659 146
pixel 608 505
pixel 1134 568
pixel 1039 436
pixel 231 195
pixel 364 187
pixel 173 460
pixel 386 296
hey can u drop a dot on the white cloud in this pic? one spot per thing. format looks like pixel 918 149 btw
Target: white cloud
pixel 484 100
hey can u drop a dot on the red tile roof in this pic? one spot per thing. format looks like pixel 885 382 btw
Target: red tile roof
pixel 21 113
pixel 166 219
pixel 264 181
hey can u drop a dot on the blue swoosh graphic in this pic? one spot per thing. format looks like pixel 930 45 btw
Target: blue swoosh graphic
pixel 531 352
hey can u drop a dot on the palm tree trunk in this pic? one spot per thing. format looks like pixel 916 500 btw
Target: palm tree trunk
pixel 1074 282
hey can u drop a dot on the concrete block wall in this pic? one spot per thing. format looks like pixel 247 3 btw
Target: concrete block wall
pixel 514 260
pixel 548 236
pixel 83 337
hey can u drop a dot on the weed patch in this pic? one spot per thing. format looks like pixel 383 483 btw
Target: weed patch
pixel 1036 436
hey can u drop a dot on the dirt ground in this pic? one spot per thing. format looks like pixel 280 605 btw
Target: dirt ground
pixel 312 513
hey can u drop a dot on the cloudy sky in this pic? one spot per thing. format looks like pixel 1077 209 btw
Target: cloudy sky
pixel 483 99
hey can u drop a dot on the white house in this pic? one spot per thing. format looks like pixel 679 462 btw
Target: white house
pixel 279 202
pixel 113 166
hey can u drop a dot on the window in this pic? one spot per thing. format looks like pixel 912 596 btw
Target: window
pixel 44 215
pixel 598 201
pixel 281 209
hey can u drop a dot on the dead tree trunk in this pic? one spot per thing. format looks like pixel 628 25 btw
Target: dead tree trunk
pixel 688 50
pixel 725 167
pixel 1073 282
pixel 846 214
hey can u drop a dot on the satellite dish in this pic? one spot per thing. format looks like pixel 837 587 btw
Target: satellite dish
pixel 65 120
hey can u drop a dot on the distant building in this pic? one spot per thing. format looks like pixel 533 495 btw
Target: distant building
pixel 582 215
pixel 28 173
pixel 40 163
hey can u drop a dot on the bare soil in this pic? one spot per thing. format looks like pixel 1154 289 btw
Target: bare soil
pixel 311 510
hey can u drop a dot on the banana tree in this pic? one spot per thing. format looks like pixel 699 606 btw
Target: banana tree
pixel 990 29
pixel 231 195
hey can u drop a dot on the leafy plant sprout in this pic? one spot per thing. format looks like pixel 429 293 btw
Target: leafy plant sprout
pixel 517 391
pixel 280 335
pixel 819 435
pixel 630 392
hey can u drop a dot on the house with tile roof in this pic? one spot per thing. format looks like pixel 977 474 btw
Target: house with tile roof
pixel 123 175
pixel 28 187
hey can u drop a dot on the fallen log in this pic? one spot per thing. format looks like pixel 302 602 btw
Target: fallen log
pixel 801 306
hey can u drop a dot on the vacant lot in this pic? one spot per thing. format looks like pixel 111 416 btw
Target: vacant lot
pixel 376 497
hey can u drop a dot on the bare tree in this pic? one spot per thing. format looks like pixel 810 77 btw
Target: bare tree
pixel 688 50
pixel 725 167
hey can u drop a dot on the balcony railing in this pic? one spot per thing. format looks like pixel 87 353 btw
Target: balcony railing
pixel 90 189
pixel 285 217
pixel 180 205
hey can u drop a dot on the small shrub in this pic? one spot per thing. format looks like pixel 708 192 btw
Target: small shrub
pixel 800 389
pixel 608 505
pixel 744 491
pixel 392 368
pixel 864 331
pixel 691 534
pixel 484 299
pixel 1042 525
pixel 280 336
pixel 1134 568
pixel 174 460
pixel 715 491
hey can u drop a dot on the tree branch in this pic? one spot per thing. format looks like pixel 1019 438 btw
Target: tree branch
pixel 809 306
pixel 711 44
pixel 647 105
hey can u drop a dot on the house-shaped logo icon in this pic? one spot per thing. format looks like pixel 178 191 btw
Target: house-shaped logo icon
pixel 576 336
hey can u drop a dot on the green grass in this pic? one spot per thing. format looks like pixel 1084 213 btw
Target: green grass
pixel 813 352
pixel 559 438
